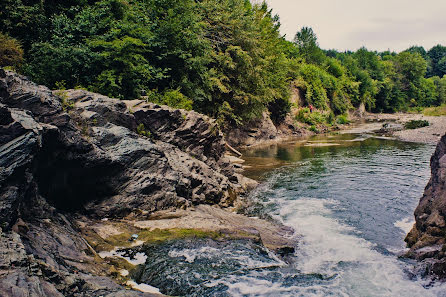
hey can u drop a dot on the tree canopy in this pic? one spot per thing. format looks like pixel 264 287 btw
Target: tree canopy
pixel 224 58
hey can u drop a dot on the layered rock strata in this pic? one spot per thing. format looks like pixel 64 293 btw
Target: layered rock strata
pixel 66 154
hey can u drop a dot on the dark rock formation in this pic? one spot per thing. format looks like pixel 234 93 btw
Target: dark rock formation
pixel 263 130
pixel 74 152
pixel 427 239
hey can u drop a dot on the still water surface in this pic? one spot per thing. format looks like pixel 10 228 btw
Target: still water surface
pixel 350 199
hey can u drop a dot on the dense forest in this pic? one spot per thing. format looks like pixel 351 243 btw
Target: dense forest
pixel 223 58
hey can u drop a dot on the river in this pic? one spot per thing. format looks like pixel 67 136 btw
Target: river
pixel 350 198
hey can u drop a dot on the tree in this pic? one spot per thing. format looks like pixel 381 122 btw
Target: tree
pixel 418 49
pixel 370 62
pixel 440 85
pixel 412 66
pixel 436 54
pixel 306 41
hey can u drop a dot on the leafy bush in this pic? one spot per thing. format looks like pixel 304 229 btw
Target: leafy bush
pixel 172 98
pixel 11 52
pixel 227 116
pixel 324 90
pixel 314 118
pixel 415 124
pixel 278 109
pixel 314 129
pixel 342 119
pixel 141 130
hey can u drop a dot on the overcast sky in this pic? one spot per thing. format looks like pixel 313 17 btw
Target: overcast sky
pixel 375 24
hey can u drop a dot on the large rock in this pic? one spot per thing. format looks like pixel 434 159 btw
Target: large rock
pixel 75 152
pixel 427 239
pixel 263 131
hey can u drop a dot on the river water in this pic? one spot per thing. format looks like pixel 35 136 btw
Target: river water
pixel 350 199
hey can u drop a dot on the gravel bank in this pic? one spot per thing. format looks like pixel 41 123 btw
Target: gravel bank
pixel 430 134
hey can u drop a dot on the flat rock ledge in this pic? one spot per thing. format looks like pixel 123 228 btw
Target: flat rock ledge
pixel 275 237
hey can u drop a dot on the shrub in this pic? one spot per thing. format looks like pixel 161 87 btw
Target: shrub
pixel 141 130
pixel 315 117
pixel 172 98
pixel 415 124
pixel 278 109
pixel 226 115
pixel 342 119
pixel 11 52
pixel 314 129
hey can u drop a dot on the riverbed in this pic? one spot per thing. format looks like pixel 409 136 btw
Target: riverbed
pixel 349 197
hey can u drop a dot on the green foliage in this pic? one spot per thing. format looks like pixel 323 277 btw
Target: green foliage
pixel 440 84
pixel 172 98
pixel 226 115
pixel 323 90
pixel 141 130
pixel 342 119
pixel 224 58
pixel 306 41
pixel 437 56
pixel 314 118
pixel 11 52
pixel 67 104
pixel 278 109
pixel 435 111
pixel 415 124
pixel 418 49
pixel 314 129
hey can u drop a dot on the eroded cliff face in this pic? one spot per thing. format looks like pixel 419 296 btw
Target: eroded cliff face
pixel 72 153
pixel 427 239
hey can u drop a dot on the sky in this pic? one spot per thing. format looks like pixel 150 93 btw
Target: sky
pixel 376 24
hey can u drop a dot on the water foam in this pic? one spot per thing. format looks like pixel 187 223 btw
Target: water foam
pixel 405 224
pixel 219 255
pixel 344 263
pixel 334 250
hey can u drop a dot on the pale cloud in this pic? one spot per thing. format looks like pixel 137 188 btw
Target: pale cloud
pixel 377 25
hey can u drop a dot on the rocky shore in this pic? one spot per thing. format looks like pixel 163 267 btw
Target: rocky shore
pixel 427 239
pixel 81 172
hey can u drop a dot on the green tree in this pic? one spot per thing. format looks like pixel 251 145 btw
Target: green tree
pixel 418 49
pixel 306 41
pixel 436 54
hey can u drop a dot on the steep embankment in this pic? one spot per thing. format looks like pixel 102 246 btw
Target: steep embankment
pixel 427 239
pixel 70 158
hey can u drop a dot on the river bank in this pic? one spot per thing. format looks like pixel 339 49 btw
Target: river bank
pixel 264 132
pixel 430 134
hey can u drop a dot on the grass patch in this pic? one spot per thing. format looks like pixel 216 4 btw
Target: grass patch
pixel 435 111
pixel 415 124
pixel 146 235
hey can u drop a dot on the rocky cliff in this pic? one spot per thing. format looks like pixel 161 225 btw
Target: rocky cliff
pixel 427 239
pixel 74 153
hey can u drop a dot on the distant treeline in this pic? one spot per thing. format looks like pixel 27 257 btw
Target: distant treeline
pixel 224 58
